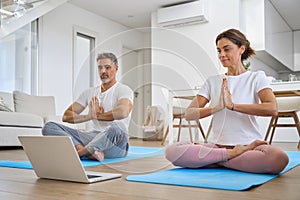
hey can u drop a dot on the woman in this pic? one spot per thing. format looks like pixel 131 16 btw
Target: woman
pixel 235 99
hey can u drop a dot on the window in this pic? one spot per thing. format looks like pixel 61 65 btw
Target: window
pixel 19 60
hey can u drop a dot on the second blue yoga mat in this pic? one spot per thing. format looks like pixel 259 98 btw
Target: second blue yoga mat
pixel 133 153
pixel 217 178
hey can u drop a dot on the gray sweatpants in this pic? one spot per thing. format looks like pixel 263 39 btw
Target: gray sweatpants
pixel 113 142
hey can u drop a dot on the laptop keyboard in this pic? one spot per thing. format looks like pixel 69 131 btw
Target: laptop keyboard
pixel 93 176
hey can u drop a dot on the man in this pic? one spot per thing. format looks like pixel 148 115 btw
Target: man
pixel 109 106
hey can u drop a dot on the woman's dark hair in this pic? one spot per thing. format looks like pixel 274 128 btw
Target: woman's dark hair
pixel 239 39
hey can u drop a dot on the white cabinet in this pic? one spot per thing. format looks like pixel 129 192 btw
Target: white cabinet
pixel 297 50
pixel 268 33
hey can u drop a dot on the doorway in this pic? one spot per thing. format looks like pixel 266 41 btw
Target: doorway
pixel 84 68
pixel 132 74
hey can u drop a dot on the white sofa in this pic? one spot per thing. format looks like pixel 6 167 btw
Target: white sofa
pixel 23 114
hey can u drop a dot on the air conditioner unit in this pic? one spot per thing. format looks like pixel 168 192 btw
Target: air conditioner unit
pixel 189 13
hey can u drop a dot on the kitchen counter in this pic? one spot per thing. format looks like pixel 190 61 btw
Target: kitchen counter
pixel 288 88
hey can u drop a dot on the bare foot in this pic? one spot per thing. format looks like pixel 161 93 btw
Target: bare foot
pixel 91 157
pixel 99 155
pixel 239 149
pixel 82 151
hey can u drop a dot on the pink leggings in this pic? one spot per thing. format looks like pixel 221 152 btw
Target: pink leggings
pixel 262 159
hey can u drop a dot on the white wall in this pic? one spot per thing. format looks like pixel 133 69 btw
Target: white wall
pixel 56 44
pixel 257 64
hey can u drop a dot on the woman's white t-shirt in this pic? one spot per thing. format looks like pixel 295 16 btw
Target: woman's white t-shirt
pixel 108 101
pixel 231 127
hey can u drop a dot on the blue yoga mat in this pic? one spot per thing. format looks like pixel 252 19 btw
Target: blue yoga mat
pixel 216 178
pixel 133 153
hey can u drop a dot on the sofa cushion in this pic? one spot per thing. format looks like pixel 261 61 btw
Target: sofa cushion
pixel 15 119
pixel 7 100
pixel 4 107
pixel 39 105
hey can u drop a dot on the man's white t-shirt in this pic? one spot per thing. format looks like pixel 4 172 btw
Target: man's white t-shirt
pixel 231 127
pixel 108 101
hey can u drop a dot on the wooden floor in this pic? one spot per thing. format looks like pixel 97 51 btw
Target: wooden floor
pixel 23 184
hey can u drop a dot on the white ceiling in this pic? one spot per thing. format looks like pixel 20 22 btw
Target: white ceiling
pixel 137 13
pixel 131 13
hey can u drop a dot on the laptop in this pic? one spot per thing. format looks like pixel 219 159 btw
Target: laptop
pixel 55 157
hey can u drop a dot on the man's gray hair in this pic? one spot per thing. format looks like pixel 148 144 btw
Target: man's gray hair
pixel 110 56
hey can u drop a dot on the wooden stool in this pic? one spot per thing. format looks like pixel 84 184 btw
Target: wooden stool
pixel 287 107
pixel 180 125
